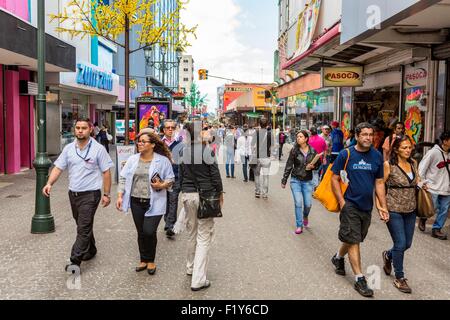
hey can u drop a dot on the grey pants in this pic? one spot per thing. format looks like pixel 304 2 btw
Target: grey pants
pixel 262 171
pixel 84 205
pixel 200 238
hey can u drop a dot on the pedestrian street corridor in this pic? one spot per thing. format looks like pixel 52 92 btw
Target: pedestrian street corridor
pixel 255 254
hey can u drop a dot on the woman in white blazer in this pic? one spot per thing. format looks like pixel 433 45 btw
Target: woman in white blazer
pixel 143 185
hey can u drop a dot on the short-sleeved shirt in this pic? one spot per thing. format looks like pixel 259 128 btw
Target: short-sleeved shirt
pixel 85 166
pixel 363 169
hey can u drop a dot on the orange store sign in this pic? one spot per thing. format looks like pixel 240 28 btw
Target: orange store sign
pixel 342 77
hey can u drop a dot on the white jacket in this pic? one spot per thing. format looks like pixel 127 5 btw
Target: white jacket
pixel 438 178
pixel 158 200
pixel 241 150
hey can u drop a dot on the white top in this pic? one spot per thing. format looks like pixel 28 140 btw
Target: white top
pixel 85 166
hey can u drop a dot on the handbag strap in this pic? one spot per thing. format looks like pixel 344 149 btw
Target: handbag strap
pixel 348 158
pixel 446 164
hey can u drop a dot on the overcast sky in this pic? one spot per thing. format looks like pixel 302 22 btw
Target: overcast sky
pixel 235 39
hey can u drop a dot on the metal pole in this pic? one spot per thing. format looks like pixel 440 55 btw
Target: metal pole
pixel 127 83
pixel 163 69
pixel 42 221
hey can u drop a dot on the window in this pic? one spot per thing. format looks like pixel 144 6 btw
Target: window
pixel 186 79
pixel 186 69
pixel 186 61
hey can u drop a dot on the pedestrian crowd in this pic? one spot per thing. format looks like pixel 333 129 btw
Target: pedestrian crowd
pixel 176 159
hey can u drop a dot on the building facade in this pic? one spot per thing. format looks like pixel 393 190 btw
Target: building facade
pixel 401 52
pixel 90 91
pixel 186 73
pixel 18 77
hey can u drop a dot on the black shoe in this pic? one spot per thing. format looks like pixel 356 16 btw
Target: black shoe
pixel 339 265
pixel 207 285
pixel 228 177
pixel 257 195
pixel 362 288
pixel 170 233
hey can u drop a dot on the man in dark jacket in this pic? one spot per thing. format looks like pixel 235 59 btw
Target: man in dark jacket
pixel 174 144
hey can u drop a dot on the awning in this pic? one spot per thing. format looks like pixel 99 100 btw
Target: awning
pixel 323 40
pixel 18 46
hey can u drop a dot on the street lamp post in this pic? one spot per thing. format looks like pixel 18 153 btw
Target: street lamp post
pixel 42 221
pixel 162 65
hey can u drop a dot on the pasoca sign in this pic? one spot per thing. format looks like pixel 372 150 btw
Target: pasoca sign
pixel 342 77
pixel 416 76
pixel 91 77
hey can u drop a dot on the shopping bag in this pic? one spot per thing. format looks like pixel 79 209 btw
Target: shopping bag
pixel 324 192
pixel 425 207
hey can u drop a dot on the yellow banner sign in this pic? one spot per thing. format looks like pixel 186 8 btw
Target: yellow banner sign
pixel 342 77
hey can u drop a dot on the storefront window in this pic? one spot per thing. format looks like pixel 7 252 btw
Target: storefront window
pixel 72 107
pixel 416 100
pixel 346 111
pixel 318 105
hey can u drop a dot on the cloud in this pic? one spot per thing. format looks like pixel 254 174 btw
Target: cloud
pixel 221 48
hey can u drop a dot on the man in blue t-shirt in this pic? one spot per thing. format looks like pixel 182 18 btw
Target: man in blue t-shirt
pixel 364 173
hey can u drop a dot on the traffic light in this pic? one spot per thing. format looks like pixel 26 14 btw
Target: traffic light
pixel 203 74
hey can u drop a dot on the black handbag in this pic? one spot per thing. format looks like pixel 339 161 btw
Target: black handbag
pixel 209 202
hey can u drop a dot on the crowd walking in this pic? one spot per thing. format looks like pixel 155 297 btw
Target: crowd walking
pixel 171 161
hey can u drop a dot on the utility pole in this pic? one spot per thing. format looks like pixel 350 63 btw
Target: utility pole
pixel 42 221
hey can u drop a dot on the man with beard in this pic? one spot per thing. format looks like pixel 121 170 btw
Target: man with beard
pixel 89 167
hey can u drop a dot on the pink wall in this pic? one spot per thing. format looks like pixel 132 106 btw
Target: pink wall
pixel 16 7
pixel 26 125
pixel 13 136
pixel 2 164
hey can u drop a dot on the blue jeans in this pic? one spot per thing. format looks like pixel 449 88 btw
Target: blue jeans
pixel 401 228
pixel 230 162
pixel 302 193
pixel 441 205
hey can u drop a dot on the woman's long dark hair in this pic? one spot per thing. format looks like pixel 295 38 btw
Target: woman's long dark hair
pixel 160 147
pixel 396 145
pixel 305 134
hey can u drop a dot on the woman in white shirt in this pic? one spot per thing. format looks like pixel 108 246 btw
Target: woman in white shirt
pixel 143 185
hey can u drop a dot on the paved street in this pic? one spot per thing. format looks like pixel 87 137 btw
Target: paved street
pixel 256 254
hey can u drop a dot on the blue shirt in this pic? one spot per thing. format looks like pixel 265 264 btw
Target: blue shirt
pixel 85 166
pixel 337 138
pixel 363 169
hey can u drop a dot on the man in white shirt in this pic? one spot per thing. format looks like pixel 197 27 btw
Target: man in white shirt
pixel 89 167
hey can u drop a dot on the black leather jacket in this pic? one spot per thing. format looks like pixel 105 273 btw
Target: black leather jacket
pixel 206 173
pixel 296 165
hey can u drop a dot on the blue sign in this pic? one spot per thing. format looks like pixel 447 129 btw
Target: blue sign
pixel 94 78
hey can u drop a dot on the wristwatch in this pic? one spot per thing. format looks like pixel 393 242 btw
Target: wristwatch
pixel 107 195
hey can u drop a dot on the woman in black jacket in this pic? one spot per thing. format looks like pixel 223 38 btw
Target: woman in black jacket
pixel 199 170
pixel 299 166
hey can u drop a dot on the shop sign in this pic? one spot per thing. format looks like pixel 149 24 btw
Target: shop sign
pixel 94 78
pixel 342 77
pixel 416 76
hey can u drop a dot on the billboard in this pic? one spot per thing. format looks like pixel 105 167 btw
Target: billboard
pixel 151 111
pixel 363 18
